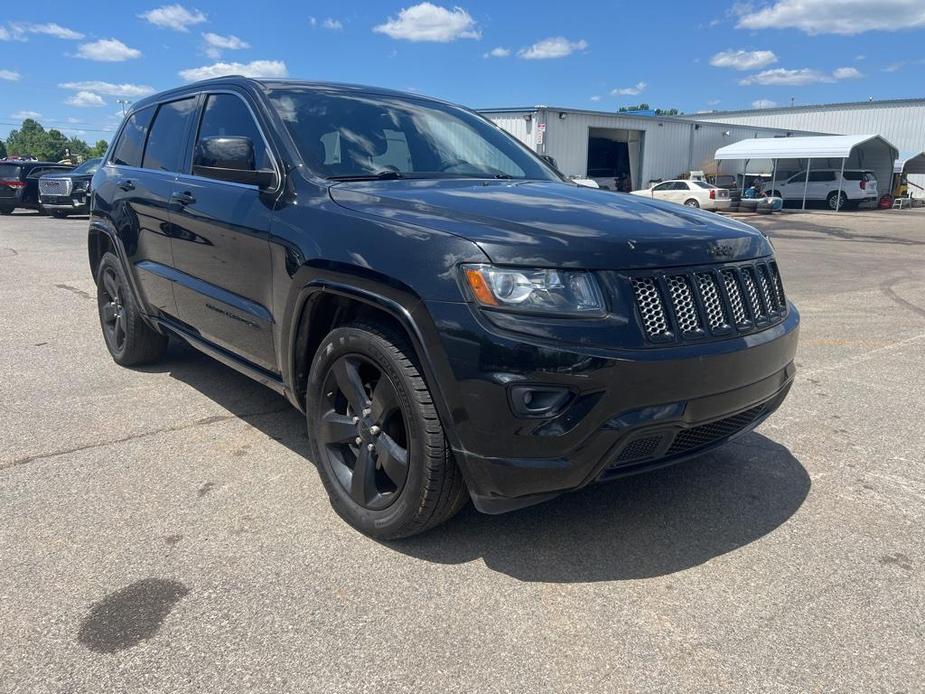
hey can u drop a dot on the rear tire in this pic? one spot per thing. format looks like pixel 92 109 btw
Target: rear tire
pixel 129 339
pixel 691 203
pixel 57 214
pixel 832 201
pixel 6 210
pixel 364 384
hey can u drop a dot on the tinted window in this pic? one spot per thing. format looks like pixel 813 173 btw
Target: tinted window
pixel 88 167
pixel 664 186
pixel 365 134
pixel 858 176
pixel 167 139
pixel 227 115
pixel 705 186
pixel 131 144
pixel 821 176
pixel 9 171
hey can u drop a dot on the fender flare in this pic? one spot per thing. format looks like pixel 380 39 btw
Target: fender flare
pixel 318 287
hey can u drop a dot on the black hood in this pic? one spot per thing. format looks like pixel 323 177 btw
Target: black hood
pixel 67 174
pixel 558 225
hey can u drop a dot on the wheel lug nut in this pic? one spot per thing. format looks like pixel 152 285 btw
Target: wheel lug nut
pixel 374 430
pixel 358 440
pixel 356 420
pixel 366 412
pixel 370 447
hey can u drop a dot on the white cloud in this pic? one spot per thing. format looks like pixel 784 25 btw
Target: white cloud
pixel 847 73
pixel 18 31
pixel 630 91
pixel 846 17
pixel 22 115
pixel 713 102
pixel 174 17
pixel 216 43
pixel 85 99
pixel 9 75
pixel 107 51
pixel 332 24
pixel 743 60
pixel 596 97
pixel 228 43
pixel 499 52
pixel 108 88
pixel 255 68
pixel 782 77
pixel 763 103
pixel 553 47
pixel 428 22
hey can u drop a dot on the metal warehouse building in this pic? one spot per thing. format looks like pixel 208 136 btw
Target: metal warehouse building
pixel 605 145
pixel 901 121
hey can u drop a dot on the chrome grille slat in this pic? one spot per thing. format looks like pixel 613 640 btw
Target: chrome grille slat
pixel 711 301
pixel 739 313
pixel 686 305
pixel 649 303
pixel 682 300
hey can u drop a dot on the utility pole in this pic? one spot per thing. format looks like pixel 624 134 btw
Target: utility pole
pixel 124 103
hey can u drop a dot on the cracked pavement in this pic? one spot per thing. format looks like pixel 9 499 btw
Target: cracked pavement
pixel 162 529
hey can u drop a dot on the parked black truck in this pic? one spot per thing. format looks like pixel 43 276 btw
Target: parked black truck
pixel 455 319
pixel 68 192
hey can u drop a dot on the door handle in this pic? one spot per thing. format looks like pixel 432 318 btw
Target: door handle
pixel 126 184
pixel 184 198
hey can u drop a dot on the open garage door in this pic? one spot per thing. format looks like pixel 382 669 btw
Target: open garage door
pixel 614 157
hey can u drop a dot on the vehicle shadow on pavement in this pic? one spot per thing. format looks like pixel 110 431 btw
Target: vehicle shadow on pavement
pixel 643 526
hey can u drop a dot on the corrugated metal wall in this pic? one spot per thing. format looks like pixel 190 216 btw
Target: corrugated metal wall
pixel 669 147
pixel 902 124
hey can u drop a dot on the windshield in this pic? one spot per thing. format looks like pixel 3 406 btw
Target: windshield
pixel 9 171
pixel 88 167
pixel 366 135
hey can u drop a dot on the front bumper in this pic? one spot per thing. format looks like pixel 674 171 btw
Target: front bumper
pixel 78 201
pixel 628 410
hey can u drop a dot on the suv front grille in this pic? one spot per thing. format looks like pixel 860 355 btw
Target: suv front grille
pixel 719 302
pixel 54 186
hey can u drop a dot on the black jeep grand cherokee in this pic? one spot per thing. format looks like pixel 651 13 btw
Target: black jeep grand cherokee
pixel 455 319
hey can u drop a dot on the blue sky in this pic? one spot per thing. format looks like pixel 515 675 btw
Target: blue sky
pixel 70 62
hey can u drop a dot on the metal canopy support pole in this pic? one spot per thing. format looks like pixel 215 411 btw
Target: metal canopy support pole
pixel 809 163
pixel 744 171
pixel 774 177
pixel 841 177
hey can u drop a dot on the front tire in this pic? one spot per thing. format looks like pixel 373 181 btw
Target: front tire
pixel 691 203
pixel 376 437
pixel 58 214
pixel 129 339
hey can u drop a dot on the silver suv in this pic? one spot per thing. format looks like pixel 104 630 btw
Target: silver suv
pixel 857 186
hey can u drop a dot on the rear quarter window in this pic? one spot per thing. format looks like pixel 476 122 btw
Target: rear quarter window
pixel 9 171
pixel 131 145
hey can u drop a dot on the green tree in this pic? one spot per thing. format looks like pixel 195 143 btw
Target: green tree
pixel 2 149
pixel 99 149
pixel 50 145
pixel 645 107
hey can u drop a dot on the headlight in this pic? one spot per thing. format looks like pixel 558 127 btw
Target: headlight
pixel 81 186
pixel 552 292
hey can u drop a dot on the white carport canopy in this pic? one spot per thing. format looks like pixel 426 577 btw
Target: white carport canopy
pixel 866 150
pixel 910 163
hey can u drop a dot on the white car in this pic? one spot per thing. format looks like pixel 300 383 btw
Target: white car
pixel 857 186
pixel 689 193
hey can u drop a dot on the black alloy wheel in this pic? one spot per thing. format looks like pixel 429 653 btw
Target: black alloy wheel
pixel 364 431
pixel 112 309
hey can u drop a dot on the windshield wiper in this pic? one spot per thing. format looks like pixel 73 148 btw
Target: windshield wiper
pixel 387 175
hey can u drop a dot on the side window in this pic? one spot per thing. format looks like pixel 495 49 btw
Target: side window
pixel 663 187
pixel 821 176
pixel 131 145
pixel 167 137
pixel 797 178
pixel 226 115
pixel 681 185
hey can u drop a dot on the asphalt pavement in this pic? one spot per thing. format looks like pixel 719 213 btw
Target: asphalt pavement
pixel 161 529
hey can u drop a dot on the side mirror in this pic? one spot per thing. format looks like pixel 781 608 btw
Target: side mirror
pixel 549 160
pixel 230 159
